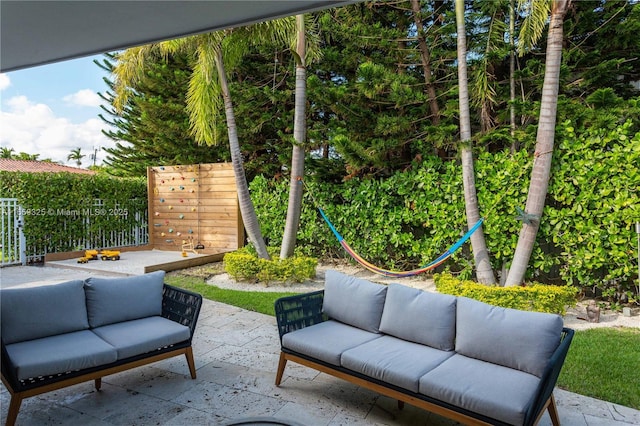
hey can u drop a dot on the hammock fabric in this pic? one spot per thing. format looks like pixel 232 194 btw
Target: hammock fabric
pixel 401 274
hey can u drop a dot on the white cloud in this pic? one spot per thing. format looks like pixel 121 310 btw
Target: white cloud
pixel 84 97
pixel 4 81
pixel 35 129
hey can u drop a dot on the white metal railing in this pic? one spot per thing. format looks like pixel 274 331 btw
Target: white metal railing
pixel 12 241
pixel 82 230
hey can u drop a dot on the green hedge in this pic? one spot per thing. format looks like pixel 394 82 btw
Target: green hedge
pixel 536 297
pixel 586 238
pixel 67 211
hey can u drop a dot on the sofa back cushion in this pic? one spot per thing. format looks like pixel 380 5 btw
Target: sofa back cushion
pixel 420 317
pixel 111 300
pixel 517 339
pixel 353 301
pixel 29 313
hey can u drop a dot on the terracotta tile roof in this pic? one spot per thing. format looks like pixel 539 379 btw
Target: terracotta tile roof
pixel 29 166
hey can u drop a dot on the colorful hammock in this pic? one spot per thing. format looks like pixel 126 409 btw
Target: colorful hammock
pixel 401 274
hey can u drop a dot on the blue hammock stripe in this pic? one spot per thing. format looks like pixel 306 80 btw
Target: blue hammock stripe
pixel 466 236
pixel 333 228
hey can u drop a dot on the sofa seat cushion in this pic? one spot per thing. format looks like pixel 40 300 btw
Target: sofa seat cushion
pixel 517 339
pixel 60 354
pixel 353 301
pixel 394 361
pixel 420 316
pixel 495 391
pixel 143 335
pixel 29 313
pixel 327 340
pixel 113 300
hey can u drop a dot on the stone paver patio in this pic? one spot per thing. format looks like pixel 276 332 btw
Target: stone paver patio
pixel 236 353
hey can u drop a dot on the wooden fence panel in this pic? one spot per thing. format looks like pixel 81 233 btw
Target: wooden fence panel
pixel 194 203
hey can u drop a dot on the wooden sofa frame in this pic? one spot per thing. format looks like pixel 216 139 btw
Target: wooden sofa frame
pixel 178 305
pixel 305 310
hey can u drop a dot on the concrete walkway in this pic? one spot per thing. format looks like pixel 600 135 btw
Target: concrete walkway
pixel 236 353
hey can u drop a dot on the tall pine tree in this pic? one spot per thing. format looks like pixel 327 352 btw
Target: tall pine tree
pixel 153 129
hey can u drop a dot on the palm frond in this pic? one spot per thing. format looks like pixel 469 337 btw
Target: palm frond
pixel 204 99
pixel 482 90
pixel 312 28
pixel 536 14
pixel 128 71
pixel 235 46
pixel 496 35
pixel 279 31
pixel 179 45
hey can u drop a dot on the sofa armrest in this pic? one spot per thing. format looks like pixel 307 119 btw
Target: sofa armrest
pixel 550 376
pixel 8 370
pixel 181 306
pixel 299 311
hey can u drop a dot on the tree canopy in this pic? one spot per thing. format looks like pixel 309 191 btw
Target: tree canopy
pixel 368 102
pixel 383 99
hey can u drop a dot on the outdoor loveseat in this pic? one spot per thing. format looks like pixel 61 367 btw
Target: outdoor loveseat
pixel 457 357
pixel 59 335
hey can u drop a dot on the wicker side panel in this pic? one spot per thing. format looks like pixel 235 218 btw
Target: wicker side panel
pixel 299 311
pixel 181 306
pixel 550 376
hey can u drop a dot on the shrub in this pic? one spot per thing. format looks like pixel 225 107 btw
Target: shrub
pixel 586 236
pixel 244 265
pixel 68 211
pixel 241 265
pixel 536 297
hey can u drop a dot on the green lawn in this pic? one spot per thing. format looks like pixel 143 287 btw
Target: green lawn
pixel 602 363
pixel 258 301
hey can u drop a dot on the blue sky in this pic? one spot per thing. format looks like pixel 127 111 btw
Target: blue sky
pixel 52 109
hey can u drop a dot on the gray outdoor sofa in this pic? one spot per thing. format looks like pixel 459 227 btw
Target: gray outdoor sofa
pixel 457 357
pixel 59 335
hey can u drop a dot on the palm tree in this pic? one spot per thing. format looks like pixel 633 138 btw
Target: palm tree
pixel 305 48
pixel 76 156
pixel 208 91
pixel 545 136
pixel 6 152
pixel 484 272
pixel 299 134
pixel 26 156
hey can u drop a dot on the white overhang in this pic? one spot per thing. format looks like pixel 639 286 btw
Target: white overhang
pixel 41 32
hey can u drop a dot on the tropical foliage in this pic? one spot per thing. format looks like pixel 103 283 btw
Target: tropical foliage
pixel 153 128
pixel 68 211
pixel 208 92
pixel 383 125
pixel 411 217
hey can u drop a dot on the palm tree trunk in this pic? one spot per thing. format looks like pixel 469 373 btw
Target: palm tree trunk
pixel 484 272
pixel 544 145
pixel 297 159
pixel 247 210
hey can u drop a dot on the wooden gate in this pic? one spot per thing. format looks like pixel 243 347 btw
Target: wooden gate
pixel 194 204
